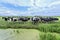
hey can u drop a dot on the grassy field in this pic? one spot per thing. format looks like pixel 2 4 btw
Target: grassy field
pixel 29 31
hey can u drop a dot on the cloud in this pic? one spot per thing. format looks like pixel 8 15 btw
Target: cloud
pixel 8 12
pixel 54 3
pixel 37 3
pixel 25 7
pixel 18 2
pixel 12 9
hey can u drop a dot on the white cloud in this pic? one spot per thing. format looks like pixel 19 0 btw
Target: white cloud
pixel 54 3
pixel 35 6
pixel 7 12
pixel 19 2
pixel 35 3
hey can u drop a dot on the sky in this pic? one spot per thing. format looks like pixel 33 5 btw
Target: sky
pixel 29 7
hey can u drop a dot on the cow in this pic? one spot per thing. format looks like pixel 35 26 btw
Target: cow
pixel 13 19
pixel 35 20
pixel 55 19
pixel 24 19
pixel 5 18
pixel 48 19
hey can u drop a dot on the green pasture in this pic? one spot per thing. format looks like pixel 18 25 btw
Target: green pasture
pixel 29 31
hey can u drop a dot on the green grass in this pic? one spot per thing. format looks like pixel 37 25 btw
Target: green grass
pixel 27 34
pixel 49 36
pixel 44 27
pixel 47 31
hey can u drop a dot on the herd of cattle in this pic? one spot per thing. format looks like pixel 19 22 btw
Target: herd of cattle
pixel 33 19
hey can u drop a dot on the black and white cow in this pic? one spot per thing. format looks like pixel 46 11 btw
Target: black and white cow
pixel 35 20
pixel 55 19
pixel 48 19
pixel 24 19
pixel 5 18
pixel 13 19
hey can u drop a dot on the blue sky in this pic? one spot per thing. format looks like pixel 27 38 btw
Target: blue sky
pixel 29 7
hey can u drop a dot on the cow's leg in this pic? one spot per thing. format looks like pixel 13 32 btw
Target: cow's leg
pixel 33 22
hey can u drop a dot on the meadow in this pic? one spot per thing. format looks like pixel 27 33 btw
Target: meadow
pixel 42 31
